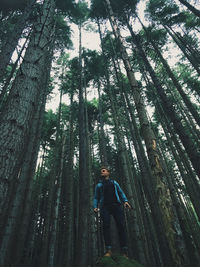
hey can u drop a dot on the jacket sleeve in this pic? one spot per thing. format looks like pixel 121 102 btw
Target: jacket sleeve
pixel 96 197
pixel 121 193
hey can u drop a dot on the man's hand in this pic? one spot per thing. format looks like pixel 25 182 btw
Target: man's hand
pixel 126 204
pixel 95 209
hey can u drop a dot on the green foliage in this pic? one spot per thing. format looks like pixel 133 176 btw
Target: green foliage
pixel 120 8
pixel 190 21
pixel 66 6
pixel 98 10
pixel 158 36
pixel 7 26
pixel 111 46
pixel 70 81
pixel 80 13
pixel 161 10
pixel 92 114
pixel 94 65
pixel 49 128
pixel 185 73
pixel 62 34
pixel 117 261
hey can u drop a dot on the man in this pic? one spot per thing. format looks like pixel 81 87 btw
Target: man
pixel 108 196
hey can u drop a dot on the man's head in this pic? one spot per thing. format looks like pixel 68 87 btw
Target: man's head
pixel 105 172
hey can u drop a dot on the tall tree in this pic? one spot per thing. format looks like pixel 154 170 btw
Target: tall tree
pixel 82 240
pixel 22 101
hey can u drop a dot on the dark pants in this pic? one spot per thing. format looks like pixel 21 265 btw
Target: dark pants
pixel 114 209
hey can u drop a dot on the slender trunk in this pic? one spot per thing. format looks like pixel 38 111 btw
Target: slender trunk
pixel 183 49
pixel 168 106
pixel 188 176
pixel 67 253
pixel 150 142
pixel 82 241
pixel 194 10
pixel 54 230
pixel 102 141
pixel 145 174
pixel 128 178
pixel 185 97
pixel 188 239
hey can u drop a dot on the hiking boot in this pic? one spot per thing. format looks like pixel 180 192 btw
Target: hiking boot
pixel 108 253
pixel 125 255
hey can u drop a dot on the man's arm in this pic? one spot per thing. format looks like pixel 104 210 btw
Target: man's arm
pixel 121 193
pixel 96 198
pixel 123 196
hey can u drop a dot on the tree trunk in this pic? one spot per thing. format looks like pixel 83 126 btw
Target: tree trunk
pixel 195 11
pixel 102 141
pixel 183 49
pixel 150 142
pixel 21 103
pixel 185 97
pixel 67 246
pixel 24 188
pixel 168 106
pixel 53 249
pixel 82 241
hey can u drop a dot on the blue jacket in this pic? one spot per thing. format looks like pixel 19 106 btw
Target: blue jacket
pixel 98 195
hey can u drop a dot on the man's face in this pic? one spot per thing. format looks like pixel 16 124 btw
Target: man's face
pixel 104 172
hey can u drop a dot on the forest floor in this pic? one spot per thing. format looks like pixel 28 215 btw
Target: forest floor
pixel 117 261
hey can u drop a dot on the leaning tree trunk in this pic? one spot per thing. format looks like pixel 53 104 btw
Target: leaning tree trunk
pixel 194 10
pixel 184 96
pixel 102 140
pixel 188 176
pixel 16 118
pixel 129 187
pixel 168 106
pixel 191 59
pixel 146 175
pixel 126 168
pixel 150 142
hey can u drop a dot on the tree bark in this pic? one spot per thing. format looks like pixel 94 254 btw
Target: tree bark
pixel 184 96
pixel 168 106
pixel 21 200
pixel 16 118
pixel 82 242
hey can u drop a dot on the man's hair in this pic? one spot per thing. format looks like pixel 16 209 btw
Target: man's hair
pixel 106 168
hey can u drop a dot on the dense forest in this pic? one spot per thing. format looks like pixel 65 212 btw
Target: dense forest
pixel 132 105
